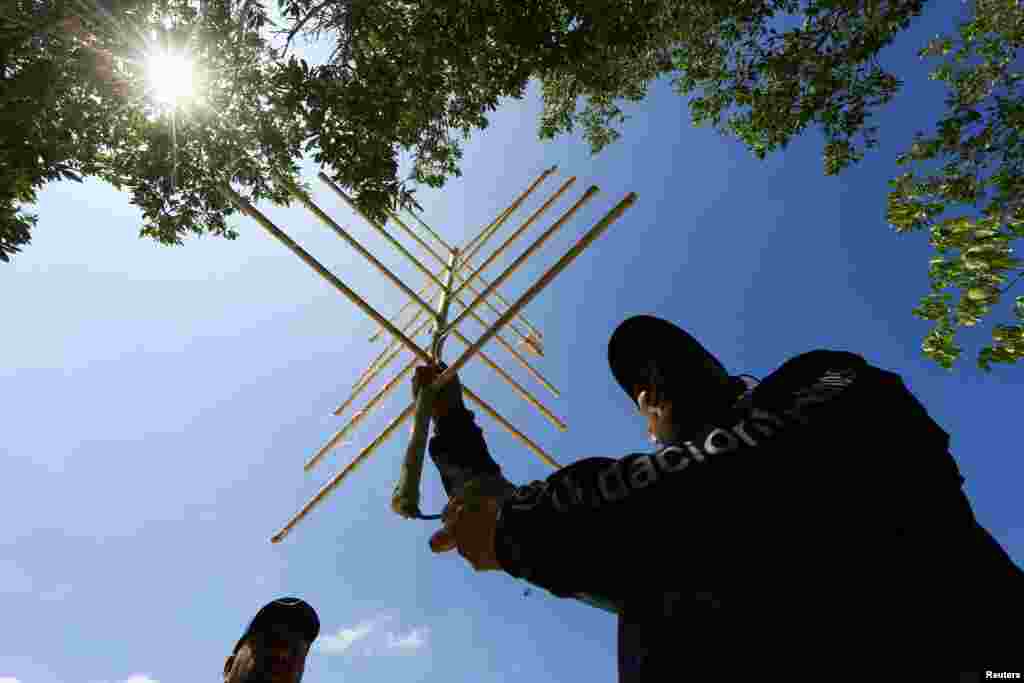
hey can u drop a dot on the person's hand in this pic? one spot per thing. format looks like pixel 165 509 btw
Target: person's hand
pixel 450 396
pixel 470 527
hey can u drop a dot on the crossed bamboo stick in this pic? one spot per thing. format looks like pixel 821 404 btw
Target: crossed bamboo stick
pixel 447 284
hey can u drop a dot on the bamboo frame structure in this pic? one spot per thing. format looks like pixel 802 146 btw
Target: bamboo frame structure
pixel 470 310
pixel 466 265
pixel 445 285
pixel 433 253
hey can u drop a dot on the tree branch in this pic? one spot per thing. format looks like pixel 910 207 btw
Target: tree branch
pixel 298 27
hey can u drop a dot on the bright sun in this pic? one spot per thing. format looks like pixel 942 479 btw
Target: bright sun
pixel 171 77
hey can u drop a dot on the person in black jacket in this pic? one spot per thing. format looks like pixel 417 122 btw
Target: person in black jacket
pixel 812 519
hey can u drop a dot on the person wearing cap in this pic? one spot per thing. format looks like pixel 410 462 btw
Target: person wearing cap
pixel 273 648
pixel 814 516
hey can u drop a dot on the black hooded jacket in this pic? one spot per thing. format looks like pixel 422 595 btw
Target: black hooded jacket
pixel 820 516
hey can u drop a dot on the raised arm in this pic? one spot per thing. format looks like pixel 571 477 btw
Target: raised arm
pixel 768 476
pixel 689 514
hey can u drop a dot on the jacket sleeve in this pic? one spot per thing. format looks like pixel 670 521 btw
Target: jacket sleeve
pixel 612 526
pixel 460 453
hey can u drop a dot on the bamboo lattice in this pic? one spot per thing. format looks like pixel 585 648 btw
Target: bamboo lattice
pixel 451 279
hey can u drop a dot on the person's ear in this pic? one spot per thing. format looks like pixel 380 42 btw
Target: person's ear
pixel 228 663
pixel 637 388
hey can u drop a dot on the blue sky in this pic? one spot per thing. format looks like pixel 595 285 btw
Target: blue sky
pixel 160 402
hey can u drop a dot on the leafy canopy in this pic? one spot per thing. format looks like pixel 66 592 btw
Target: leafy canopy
pixel 403 76
pixel 408 75
pixel 966 189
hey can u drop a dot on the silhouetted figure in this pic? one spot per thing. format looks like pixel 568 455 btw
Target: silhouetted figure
pixel 806 526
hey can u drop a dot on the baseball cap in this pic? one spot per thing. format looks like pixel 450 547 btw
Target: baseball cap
pixel 290 610
pixel 643 342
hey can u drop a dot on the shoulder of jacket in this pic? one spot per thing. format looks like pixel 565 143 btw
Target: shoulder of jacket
pixel 818 362
pixel 812 367
pixel 823 359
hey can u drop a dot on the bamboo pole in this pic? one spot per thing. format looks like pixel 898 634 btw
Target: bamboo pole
pixel 423 293
pixel 475 244
pixel 416 238
pixel 515 354
pixel 473 289
pixel 391 344
pixel 359 415
pixel 395 351
pixel 525 255
pixel 497 252
pixel 467 309
pixel 447 375
pixel 390 386
pixel 545 279
pixel 472 247
pixel 515 385
pixel 466 266
pixel 376 226
pixel 492 287
pixel 495 223
pixel 329 222
pixel 526 395
pixel 547 459
pixel 404 504
pixel 476 292
pixel 430 284
pixel 501 340
pixel 482 238
pixel 467 254
pixel 405 500
pixel 387 349
pixel 338 478
pixel 348 200
pixel 247 208
pixel 427 228
pixel 530 327
pixel 326 490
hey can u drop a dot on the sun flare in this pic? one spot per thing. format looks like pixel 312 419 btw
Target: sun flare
pixel 170 77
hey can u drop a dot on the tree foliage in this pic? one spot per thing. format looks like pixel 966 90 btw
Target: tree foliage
pixel 751 76
pixel 74 103
pixel 967 189
pixel 408 75
pixel 403 76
